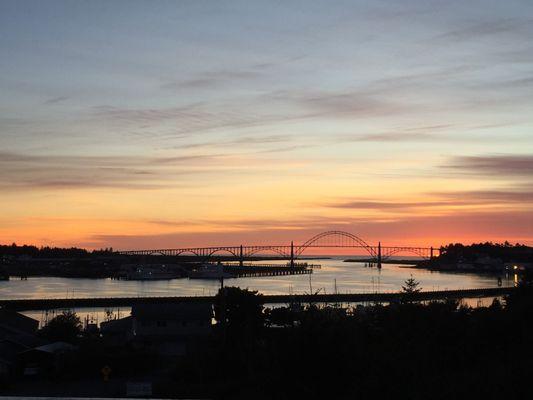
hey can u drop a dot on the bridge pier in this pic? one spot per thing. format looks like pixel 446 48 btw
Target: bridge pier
pixel 241 258
pixel 379 255
pixel 292 254
pixel 431 253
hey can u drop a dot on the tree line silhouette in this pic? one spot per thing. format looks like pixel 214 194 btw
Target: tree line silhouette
pixel 50 252
pixel 504 251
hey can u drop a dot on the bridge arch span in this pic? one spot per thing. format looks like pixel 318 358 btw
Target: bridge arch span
pixel 157 253
pixel 226 250
pixel 274 249
pixel 421 252
pixel 345 239
pixel 186 252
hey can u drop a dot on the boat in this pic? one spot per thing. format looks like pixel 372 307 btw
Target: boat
pixel 210 271
pixel 151 274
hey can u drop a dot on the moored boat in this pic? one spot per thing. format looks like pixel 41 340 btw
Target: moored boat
pixel 151 274
pixel 210 271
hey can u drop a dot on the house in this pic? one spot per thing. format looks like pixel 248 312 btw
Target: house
pixel 17 321
pixel 46 359
pixel 167 329
pixel 17 334
pixel 21 350
pixel 171 320
pixel 117 331
pixel 18 328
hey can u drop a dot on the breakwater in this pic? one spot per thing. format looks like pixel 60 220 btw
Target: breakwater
pixel 49 304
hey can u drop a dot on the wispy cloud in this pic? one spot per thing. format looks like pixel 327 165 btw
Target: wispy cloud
pixel 55 100
pixel 516 195
pixel 499 165
pixel 389 205
pixel 391 137
pixel 241 141
pixel 214 79
pixel 29 171
pixel 25 171
pixel 448 201
pixel 194 118
pixel 486 28
pixel 348 104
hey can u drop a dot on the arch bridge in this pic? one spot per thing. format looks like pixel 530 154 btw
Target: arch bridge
pixel 330 239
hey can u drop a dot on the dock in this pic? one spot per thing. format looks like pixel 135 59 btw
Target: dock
pixel 259 270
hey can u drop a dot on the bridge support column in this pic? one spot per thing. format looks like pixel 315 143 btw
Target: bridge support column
pixel 292 254
pixel 379 255
pixel 431 254
pixel 241 259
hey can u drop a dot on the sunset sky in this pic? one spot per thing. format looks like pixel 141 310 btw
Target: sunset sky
pixel 137 124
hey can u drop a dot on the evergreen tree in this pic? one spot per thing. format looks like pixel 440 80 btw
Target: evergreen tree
pixel 410 289
pixel 411 286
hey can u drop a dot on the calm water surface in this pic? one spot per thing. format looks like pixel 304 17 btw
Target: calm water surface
pixel 348 278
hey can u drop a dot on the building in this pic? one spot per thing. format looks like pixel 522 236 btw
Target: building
pixel 47 359
pixel 168 329
pixel 171 320
pixel 116 332
pixel 18 322
pixel 17 335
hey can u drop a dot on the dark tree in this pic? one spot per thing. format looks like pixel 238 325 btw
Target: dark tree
pixel 239 307
pixel 411 286
pixel 410 289
pixel 64 327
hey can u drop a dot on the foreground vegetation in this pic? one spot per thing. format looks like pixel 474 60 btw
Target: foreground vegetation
pixel 439 350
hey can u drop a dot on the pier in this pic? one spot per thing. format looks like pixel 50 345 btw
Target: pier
pixel 259 270
pixel 49 304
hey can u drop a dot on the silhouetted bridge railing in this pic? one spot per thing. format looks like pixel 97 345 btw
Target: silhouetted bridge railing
pixel 49 304
pixel 329 239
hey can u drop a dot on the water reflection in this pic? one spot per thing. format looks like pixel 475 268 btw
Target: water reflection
pixel 334 276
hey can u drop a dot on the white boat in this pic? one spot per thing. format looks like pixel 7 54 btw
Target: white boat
pixel 151 274
pixel 210 271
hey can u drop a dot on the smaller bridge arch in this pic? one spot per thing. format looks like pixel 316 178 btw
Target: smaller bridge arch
pixel 229 250
pixel 158 252
pixel 187 251
pixel 419 251
pixel 275 249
